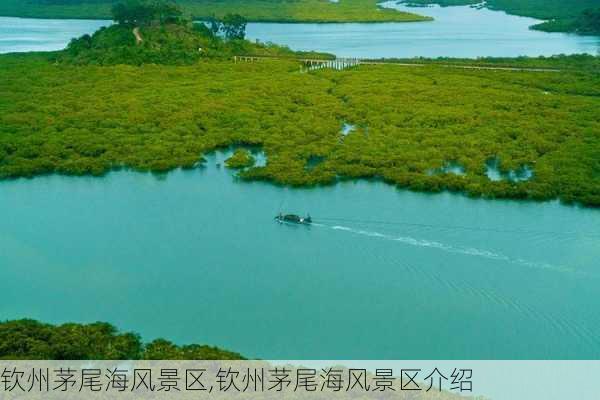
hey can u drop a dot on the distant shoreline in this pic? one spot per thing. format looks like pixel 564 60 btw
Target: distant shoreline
pixel 261 21
pixel 308 11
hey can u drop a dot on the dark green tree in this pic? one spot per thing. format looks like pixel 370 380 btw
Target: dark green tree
pixel 166 12
pixel 214 25
pixel 33 340
pixel 234 26
pixel 132 12
pixel 589 22
pixel 144 12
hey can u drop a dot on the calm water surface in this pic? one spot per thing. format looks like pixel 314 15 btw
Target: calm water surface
pixel 196 257
pixel 24 34
pixel 456 32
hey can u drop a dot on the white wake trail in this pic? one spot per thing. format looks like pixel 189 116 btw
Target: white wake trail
pixel 469 251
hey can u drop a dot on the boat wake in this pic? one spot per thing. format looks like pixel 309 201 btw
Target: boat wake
pixel 469 251
pixel 559 322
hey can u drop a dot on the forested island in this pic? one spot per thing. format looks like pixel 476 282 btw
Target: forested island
pixel 155 93
pixel 579 16
pixel 33 340
pixel 252 10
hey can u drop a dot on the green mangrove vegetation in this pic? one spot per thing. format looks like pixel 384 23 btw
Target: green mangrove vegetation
pixel 156 32
pixel 241 158
pixel 574 63
pixel 252 10
pixel 33 340
pixel 588 22
pixel 155 92
pixel 90 119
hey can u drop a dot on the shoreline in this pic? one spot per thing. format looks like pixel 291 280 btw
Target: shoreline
pixel 251 21
pixel 161 175
pixel 322 12
pixel 473 184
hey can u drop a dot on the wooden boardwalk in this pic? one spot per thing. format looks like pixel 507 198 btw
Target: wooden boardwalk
pixel 308 64
pixel 311 64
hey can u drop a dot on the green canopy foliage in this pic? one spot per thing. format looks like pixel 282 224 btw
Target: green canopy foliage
pixel 589 21
pixel 33 340
pixel 234 26
pixel 241 158
pixel 144 12
pixel 88 119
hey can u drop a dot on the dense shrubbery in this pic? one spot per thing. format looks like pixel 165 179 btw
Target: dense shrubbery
pixel 576 62
pixel 167 44
pixel 544 9
pixel 172 44
pixel 151 32
pixel 589 21
pixel 241 158
pixel 28 339
pixel 145 12
pixel 89 120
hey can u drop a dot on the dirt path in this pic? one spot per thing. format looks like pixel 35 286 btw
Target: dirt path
pixel 138 36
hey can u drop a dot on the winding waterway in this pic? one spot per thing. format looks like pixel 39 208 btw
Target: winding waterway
pixel 196 256
pixel 459 31
pixel 456 32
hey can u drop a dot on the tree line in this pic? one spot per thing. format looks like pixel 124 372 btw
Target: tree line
pixel 33 340
pixel 148 12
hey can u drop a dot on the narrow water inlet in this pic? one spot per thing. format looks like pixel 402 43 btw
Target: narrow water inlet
pixel 450 167
pixel 347 128
pixel 522 174
pixel 220 155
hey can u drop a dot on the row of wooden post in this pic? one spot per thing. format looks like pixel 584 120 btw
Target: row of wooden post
pixel 338 63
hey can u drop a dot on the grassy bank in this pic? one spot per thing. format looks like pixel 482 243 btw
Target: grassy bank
pixel 88 119
pixel 253 10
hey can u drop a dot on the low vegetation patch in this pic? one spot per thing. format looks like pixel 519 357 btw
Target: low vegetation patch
pixel 89 119
pixel 241 158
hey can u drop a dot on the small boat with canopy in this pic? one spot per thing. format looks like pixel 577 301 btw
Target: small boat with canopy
pixel 293 219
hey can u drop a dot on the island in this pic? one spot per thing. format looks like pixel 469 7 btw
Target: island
pixel 241 158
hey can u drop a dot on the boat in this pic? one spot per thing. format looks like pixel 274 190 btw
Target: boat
pixel 293 219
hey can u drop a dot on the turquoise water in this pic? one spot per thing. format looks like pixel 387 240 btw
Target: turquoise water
pixel 24 34
pixel 456 32
pixel 195 256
